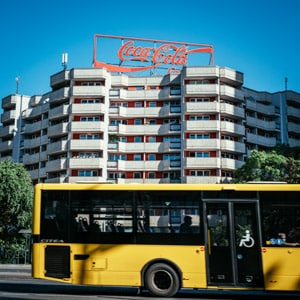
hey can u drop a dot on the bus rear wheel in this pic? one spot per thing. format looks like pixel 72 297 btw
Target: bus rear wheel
pixel 162 280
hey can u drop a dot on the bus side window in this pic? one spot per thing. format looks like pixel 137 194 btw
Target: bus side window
pixel 280 223
pixel 51 229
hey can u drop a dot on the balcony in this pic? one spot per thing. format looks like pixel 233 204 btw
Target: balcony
pixel 56 165
pixel 35 142
pixel 6 131
pixel 202 162
pixel 32 112
pixel 61 179
pixel 87 179
pixel 293 112
pixel 202 144
pixel 96 126
pixel 58 112
pixel 201 90
pixel 203 107
pixel 233 146
pixel 83 109
pixel 231 77
pixel 201 179
pixel 258 123
pixel 261 140
pixel 233 128
pixel 6 145
pixel 88 91
pixel 35 127
pixel 144 147
pixel 8 116
pixel 58 129
pixel 294 142
pixel 231 164
pixel 9 102
pixel 57 147
pixel 147 112
pixel 142 180
pixel 232 110
pixel 268 110
pixel 89 145
pixel 140 129
pixel 231 94
pixel 200 72
pixel 141 165
pixel 202 125
pixel 29 159
pixel 87 163
pixel 90 74
pixel 294 127
pixel 59 78
pixel 60 94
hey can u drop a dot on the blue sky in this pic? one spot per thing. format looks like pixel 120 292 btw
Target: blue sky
pixel 258 38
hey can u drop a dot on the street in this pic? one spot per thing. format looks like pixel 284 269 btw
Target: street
pixel 27 288
pixel 16 283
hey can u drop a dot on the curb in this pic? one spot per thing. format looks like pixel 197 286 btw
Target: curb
pixel 12 269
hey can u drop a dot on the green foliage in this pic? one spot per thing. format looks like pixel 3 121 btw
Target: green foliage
pixel 16 199
pixel 269 166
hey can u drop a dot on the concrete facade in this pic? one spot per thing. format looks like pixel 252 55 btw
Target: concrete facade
pixel 194 127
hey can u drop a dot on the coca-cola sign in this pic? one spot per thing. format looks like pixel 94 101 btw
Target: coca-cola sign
pixel 171 55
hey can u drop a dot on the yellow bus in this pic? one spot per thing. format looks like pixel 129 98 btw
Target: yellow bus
pixel 167 237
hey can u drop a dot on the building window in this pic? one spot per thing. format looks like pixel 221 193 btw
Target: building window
pixel 90 101
pixel 137 157
pixel 91 83
pixel 203 81
pixel 90 119
pixel 137 175
pixel 152 157
pixel 88 154
pixel 151 175
pixel 199 100
pixel 176 90
pixel 199 118
pixel 117 157
pixel 200 136
pixel 138 104
pixel 88 173
pixel 199 154
pixel 89 137
pixel 200 173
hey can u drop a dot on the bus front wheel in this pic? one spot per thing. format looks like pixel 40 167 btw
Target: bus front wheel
pixel 162 280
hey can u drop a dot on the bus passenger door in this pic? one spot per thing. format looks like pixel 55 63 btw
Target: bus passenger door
pixel 233 244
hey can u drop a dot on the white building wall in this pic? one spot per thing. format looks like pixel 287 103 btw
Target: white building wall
pixel 240 120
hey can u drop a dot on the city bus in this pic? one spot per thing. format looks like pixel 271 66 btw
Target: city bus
pixel 162 238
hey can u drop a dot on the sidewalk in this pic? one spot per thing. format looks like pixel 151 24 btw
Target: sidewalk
pixel 15 270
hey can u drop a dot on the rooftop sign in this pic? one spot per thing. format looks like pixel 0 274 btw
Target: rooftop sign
pixel 138 54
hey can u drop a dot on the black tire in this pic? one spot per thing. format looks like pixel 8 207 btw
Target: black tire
pixel 161 280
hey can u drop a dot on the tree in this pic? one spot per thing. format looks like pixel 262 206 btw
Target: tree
pixel 16 199
pixel 293 170
pixel 263 166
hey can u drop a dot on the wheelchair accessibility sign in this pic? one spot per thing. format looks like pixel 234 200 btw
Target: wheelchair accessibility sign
pixel 247 240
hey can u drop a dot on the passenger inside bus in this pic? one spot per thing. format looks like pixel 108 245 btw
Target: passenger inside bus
pixel 285 241
pixel 186 226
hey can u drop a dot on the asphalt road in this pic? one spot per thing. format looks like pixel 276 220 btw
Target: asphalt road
pixel 16 283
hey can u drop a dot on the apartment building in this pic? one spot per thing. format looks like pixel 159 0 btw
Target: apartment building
pixel 196 126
